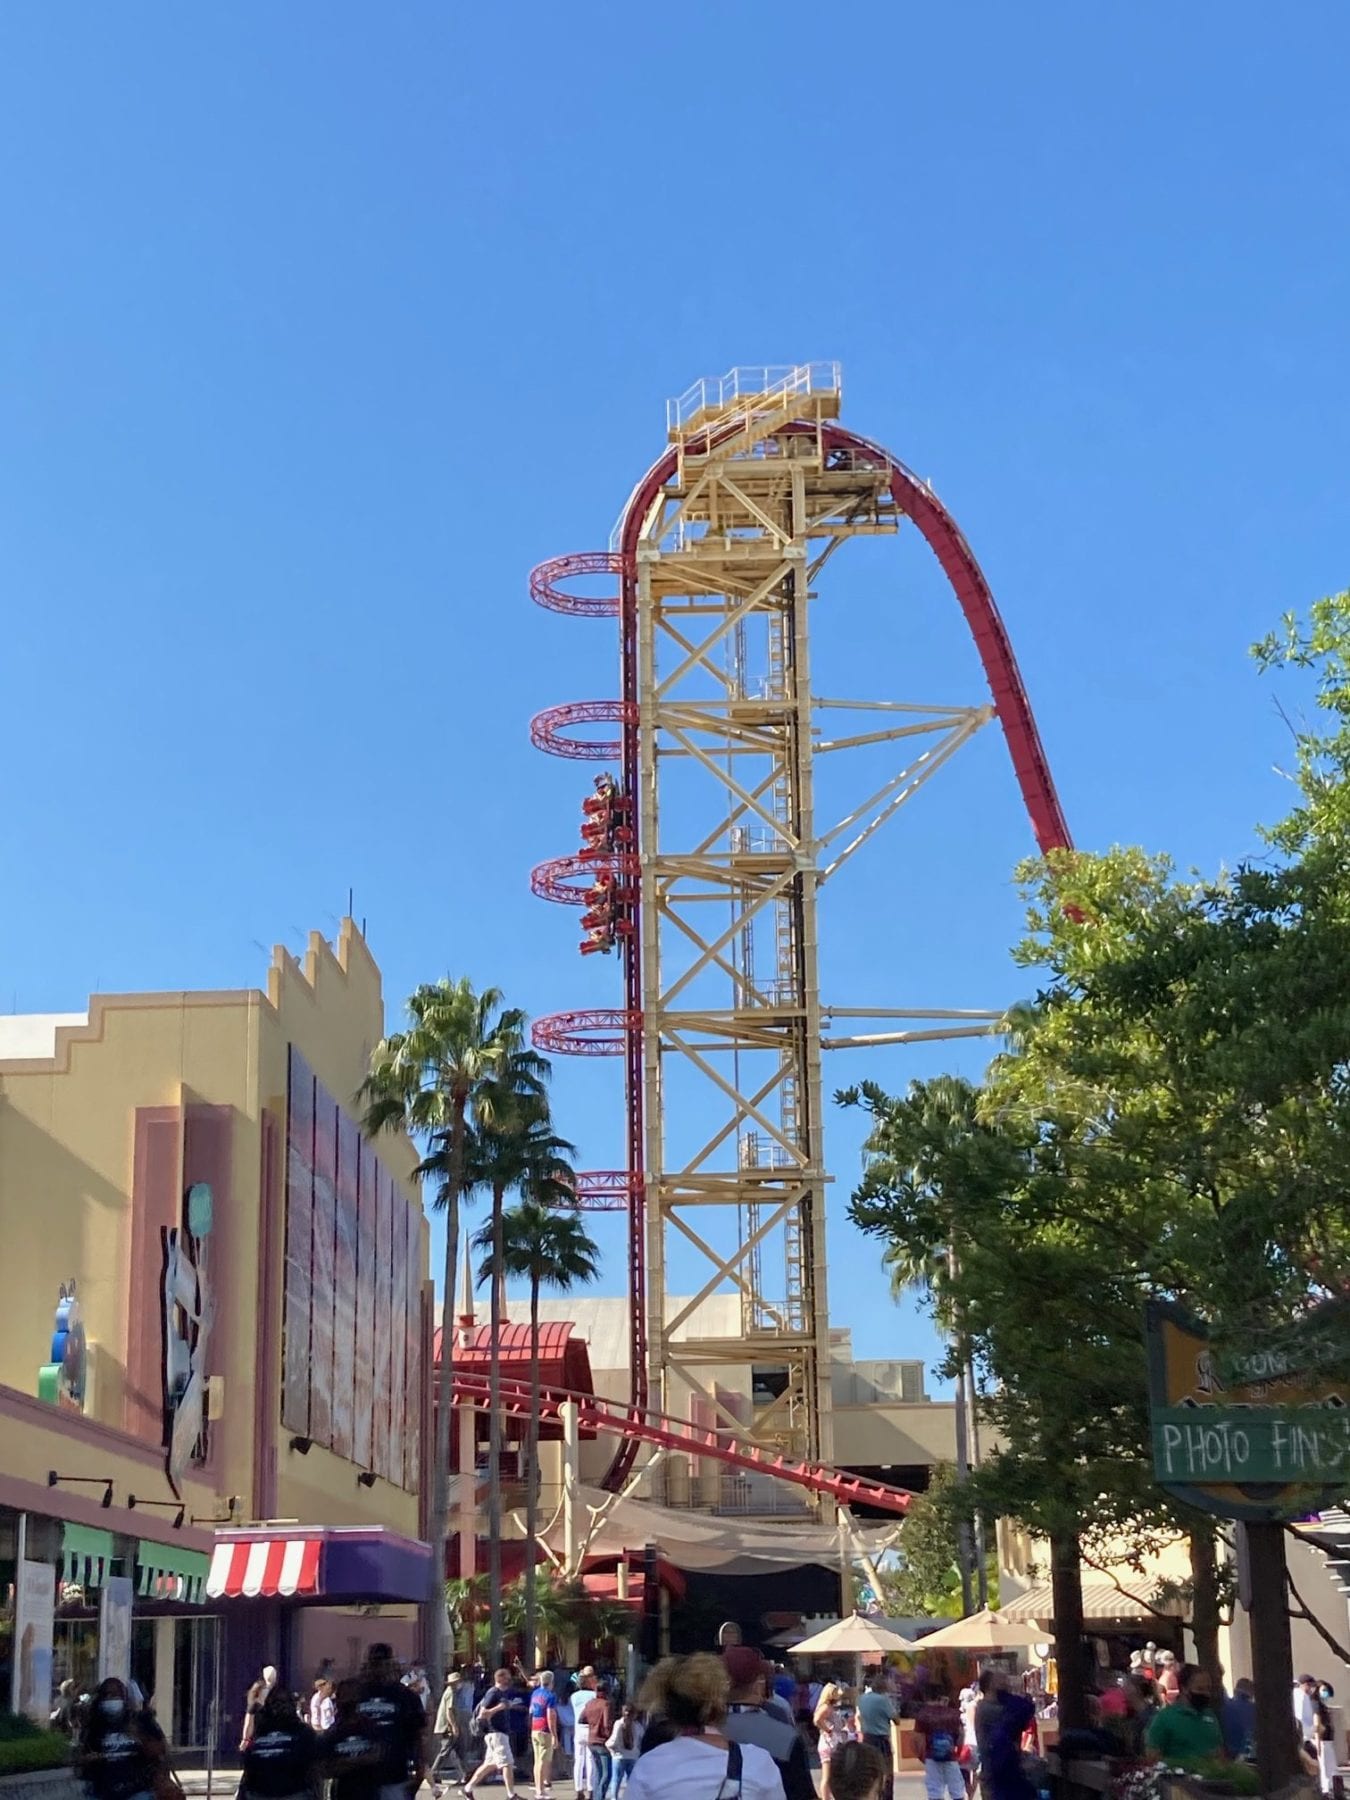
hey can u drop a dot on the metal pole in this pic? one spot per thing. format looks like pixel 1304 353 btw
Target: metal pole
pixel 570 1419
pixel 21 1548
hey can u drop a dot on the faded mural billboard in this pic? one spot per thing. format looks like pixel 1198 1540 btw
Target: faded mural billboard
pixel 352 1354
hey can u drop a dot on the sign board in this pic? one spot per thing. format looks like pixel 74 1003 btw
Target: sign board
pixel 1259 1430
pixel 35 1609
pixel 114 1628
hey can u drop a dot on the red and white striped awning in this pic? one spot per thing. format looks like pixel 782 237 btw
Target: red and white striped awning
pixel 264 1568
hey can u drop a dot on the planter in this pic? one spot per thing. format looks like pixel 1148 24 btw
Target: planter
pixel 41 1784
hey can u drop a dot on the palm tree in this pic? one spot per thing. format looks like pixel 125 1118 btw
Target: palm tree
pixel 514 1148
pixel 550 1248
pixel 435 1080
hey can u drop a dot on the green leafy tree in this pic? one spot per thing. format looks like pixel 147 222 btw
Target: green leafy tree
pixel 548 1246
pixel 927 1584
pixel 437 1079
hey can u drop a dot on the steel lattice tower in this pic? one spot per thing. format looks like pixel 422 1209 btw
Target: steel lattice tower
pixel 713 858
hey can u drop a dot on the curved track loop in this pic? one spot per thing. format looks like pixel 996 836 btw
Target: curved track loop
pixel 549 729
pixel 566 880
pixel 636 1425
pixel 600 1031
pixel 546 591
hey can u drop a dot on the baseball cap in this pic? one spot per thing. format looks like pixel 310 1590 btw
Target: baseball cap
pixel 745 1666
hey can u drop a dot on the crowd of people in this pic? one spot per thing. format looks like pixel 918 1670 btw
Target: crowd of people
pixel 727 1724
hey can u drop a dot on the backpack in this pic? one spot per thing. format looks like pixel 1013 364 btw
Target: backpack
pixel 941 1747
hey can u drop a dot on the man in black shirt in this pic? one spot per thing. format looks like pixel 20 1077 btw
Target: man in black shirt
pixel 349 1752
pixel 750 1721
pixel 394 1717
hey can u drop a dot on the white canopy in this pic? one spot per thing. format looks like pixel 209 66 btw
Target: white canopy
pixel 852 1637
pixel 983 1631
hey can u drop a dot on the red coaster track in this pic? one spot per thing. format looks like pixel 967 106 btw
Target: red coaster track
pixel 639 1425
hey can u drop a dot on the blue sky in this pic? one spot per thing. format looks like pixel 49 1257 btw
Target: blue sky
pixel 321 323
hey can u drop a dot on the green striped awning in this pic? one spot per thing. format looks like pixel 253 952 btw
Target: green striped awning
pixel 164 1572
pixel 86 1555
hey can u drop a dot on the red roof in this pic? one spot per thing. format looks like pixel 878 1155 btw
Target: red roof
pixel 564 1360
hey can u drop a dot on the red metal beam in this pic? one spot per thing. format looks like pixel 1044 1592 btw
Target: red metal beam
pixel 640 1427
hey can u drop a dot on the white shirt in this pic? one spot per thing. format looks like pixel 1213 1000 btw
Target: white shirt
pixel 616 1743
pixel 689 1766
pixel 1304 1710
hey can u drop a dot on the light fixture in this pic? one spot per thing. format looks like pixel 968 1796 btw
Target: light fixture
pixel 231 1508
pixel 367 1478
pixel 301 1445
pixel 179 1511
pixel 103 1481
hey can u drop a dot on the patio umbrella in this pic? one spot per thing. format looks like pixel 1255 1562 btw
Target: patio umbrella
pixel 852 1637
pixel 983 1631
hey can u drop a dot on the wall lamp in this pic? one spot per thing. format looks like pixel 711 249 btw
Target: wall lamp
pixel 173 1506
pixel 232 1507
pixel 103 1481
pixel 367 1478
pixel 301 1445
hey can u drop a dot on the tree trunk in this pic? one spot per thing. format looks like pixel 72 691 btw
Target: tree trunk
pixel 965 1554
pixel 1272 1656
pixel 1066 1583
pixel 495 1434
pixel 434 1633
pixel 1205 1601
pixel 532 1477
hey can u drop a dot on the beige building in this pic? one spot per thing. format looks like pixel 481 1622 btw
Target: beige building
pixel 237 1283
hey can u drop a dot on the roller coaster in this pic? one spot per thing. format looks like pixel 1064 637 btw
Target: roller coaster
pixel 706 811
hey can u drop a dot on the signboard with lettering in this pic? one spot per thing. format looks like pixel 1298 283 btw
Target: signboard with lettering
pixel 1255 1431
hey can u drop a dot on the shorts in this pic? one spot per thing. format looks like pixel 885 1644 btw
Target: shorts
pixel 496 1752
pixel 944 1779
pixel 542 1742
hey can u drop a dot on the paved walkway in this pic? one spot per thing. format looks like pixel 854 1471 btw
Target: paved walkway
pixel 225 1781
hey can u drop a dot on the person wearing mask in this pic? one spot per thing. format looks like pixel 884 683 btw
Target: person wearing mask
pixel 597 1716
pixel 860 1773
pixel 625 1746
pixel 396 1719
pixel 349 1754
pixel 1324 1736
pixel 1237 1719
pixel 544 1735
pixel 121 1752
pixel 691 1694
pixel 938 1725
pixel 282 1752
pixel 446 1732
pixel 493 1716
pixel 876 1714
pixel 750 1721
pixel 253 1701
pixel 1189 1731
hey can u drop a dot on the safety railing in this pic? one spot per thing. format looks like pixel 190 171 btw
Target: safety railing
pixel 766 385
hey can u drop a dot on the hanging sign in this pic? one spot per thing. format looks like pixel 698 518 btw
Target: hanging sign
pixel 1259 1430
